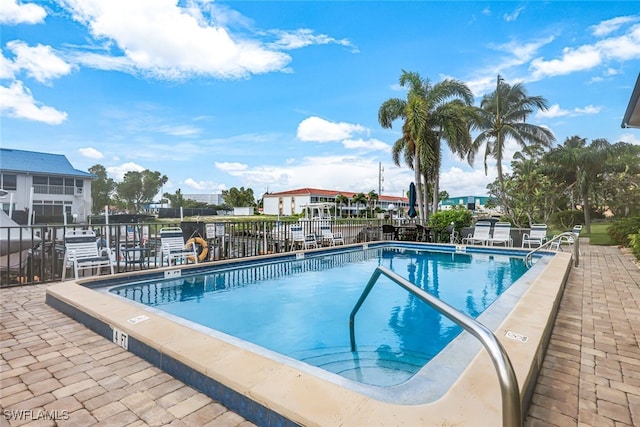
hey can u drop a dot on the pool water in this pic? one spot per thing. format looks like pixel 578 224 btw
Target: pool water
pixel 300 308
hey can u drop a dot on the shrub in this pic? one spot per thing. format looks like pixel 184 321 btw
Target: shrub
pixel 634 244
pixel 567 219
pixel 621 230
pixel 439 222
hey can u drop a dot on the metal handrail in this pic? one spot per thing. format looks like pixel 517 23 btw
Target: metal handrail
pixel 511 405
pixel 568 234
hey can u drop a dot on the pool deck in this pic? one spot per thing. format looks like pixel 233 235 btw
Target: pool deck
pixel 53 366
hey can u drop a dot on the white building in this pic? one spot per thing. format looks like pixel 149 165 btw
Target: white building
pixel 293 202
pixel 46 182
pixel 210 199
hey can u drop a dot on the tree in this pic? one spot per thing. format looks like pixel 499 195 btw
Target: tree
pixel 176 200
pixel 342 200
pixel 102 189
pixel 430 114
pixel 239 197
pixel 620 184
pixel 502 118
pixel 138 188
pixel 372 198
pixel 357 200
pixel 582 166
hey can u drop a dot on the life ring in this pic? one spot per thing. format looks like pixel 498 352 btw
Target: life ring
pixel 202 248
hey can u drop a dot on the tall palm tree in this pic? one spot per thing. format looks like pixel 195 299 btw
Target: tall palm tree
pixel 372 198
pixel 357 200
pixel 583 164
pixel 502 117
pixel 426 113
pixel 342 200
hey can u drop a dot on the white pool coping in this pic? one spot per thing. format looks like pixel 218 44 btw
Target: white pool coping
pixel 306 397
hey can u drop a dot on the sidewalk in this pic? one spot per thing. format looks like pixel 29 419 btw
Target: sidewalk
pixel 54 367
pixel 591 372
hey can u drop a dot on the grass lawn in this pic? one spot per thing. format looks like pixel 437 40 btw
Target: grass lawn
pixel 598 236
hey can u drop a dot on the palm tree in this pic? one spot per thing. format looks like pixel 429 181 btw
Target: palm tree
pixel 582 164
pixel 430 113
pixel 372 198
pixel 502 117
pixel 342 200
pixel 358 199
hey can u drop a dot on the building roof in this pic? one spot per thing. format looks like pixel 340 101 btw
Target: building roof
pixel 20 161
pixel 331 193
pixel 632 115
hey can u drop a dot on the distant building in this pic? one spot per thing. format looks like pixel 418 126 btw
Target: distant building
pixel 292 202
pixel 473 203
pixel 210 199
pixel 57 187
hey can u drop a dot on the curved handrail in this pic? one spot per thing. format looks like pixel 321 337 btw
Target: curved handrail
pixel 567 234
pixel 511 405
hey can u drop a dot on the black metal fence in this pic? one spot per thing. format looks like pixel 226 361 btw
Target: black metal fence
pixel 35 254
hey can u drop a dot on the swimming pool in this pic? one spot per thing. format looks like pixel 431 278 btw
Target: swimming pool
pixel 262 384
pixel 300 308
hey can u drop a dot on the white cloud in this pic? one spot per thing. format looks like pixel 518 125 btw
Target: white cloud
pixel 158 38
pixel 458 182
pixel 40 62
pixel 303 37
pixel 179 130
pixel 118 172
pixel 12 13
pixel 604 28
pixel 513 15
pixel 366 145
pixel 16 101
pixel 320 130
pixel 630 138
pixel 586 57
pixel 231 167
pixel 556 111
pixel 91 153
pixel 204 185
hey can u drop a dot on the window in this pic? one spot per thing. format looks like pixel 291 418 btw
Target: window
pixel 9 181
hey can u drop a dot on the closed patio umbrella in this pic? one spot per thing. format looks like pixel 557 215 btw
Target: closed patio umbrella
pixel 412 201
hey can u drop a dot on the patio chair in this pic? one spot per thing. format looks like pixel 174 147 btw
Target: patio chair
pixel 310 241
pixel 330 238
pixel 389 232
pixel 567 240
pixel 501 234
pixel 297 237
pixel 174 248
pixel 537 235
pixel 81 253
pixel 481 234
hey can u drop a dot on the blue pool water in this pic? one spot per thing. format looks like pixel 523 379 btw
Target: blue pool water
pixel 300 308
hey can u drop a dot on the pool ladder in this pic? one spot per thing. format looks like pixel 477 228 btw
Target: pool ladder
pixel 566 236
pixel 511 405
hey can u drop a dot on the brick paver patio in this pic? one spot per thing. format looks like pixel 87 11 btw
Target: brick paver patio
pixel 54 367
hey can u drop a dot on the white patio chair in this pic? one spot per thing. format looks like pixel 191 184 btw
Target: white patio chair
pixel 81 253
pixel 501 234
pixel 537 235
pixel 567 240
pixel 481 234
pixel 174 248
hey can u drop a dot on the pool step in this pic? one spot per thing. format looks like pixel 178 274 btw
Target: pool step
pixel 374 366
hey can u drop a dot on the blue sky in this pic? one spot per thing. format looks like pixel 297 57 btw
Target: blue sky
pixel 283 95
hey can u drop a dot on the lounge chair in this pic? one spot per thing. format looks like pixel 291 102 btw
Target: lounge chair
pixel 389 232
pixel 537 235
pixel 481 234
pixel 330 238
pixel 82 253
pixel 174 248
pixel 501 234
pixel 297 237
pixel 567 240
